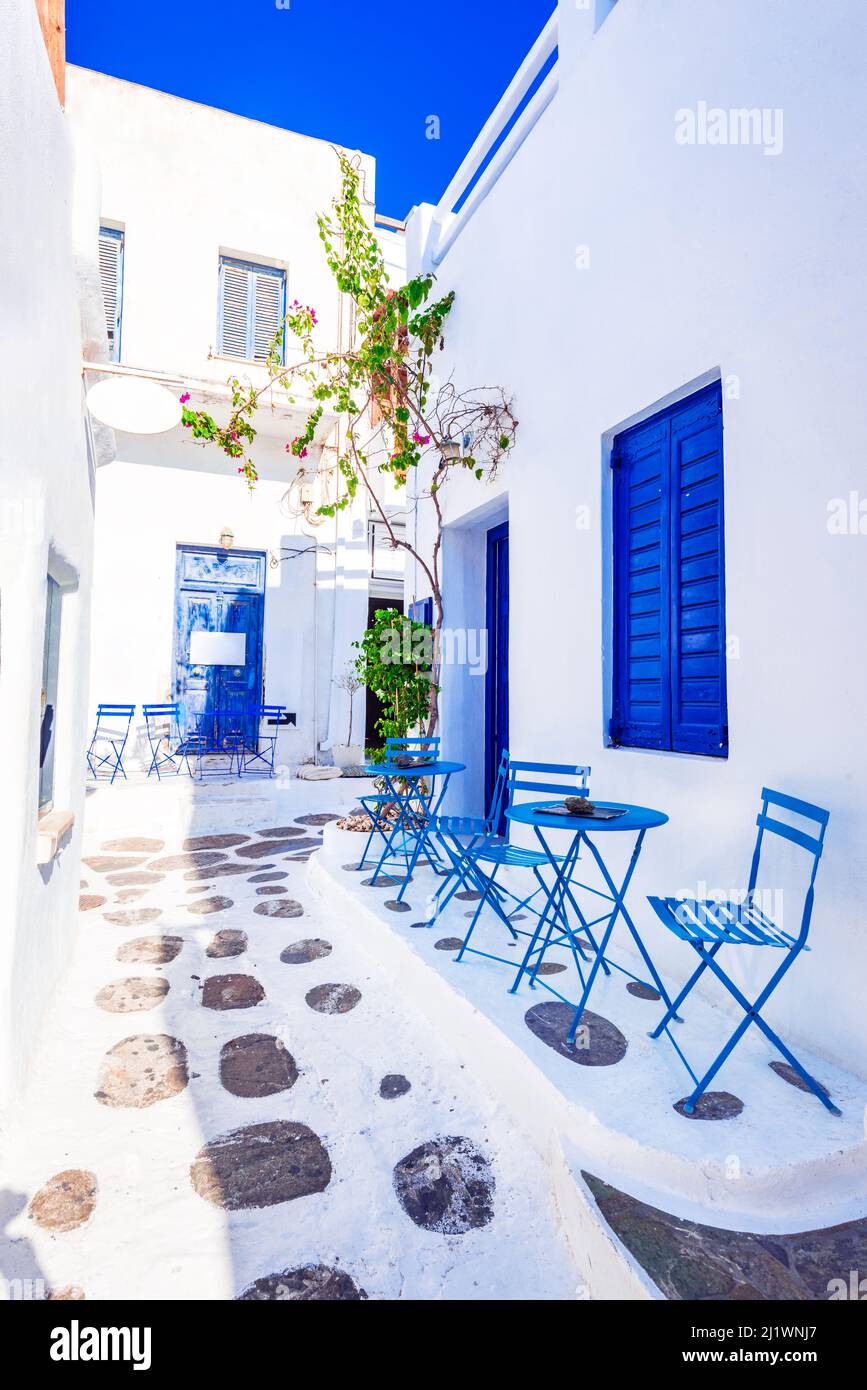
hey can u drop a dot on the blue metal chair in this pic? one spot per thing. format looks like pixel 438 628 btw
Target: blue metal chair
pixel 399 845
pixel 169 750
pixel 110 734
pixel 485 859
pixel 707 926
pixel 259 750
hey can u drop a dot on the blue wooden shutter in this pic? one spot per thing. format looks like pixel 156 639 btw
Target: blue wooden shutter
pixel 641 714
pixel 111 277
pixel 421 612
pixel 699 721
pixel 252 307
pixel 268 309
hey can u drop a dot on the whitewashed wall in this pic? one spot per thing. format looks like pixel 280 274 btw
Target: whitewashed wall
pixel 46 525
pixel 188 183
pixel 703 261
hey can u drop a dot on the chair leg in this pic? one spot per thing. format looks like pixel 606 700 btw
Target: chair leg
pixel 671 1012
pixel 752 1015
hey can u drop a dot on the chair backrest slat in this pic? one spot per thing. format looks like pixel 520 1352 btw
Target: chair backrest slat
pixel 813 844
pixel 789 832
pixel 579 772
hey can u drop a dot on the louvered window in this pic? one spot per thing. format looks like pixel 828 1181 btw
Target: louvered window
pixel 111 275
pixel 669 581
pixel 252 308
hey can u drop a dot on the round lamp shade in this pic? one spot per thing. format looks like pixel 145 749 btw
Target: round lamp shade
pixel 135 406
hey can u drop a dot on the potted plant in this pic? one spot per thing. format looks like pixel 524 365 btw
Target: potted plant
pixel 348 754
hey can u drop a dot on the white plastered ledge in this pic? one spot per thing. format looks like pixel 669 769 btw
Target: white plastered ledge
pixel 54 828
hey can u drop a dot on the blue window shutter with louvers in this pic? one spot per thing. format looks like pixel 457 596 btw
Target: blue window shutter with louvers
pixel 252 306
pixel 669 581
pixel 699 719
pixel 111 278
pixel 641 715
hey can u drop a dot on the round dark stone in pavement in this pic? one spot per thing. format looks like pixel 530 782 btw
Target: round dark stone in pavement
pixel 260 1166
pixel 318 818
pixel 150 950
pixel 205 875
pixel 279 832
pixel 643 991
pixel 353 868
pixel 468 897
pixel 269 878
pixel 194 859
pixel 393 1086
pixel 134 995
pixel 446 1186
pixel 257 1065
pixel 394 906
pixel 206 906
pixel 299 846
pixel 214 842
pixel 261 849
pixel 598 1043
pixel 713 1105
pixel 302 952
pixel 550 967
pixel 312 1283
pixel 279 907
pixel 227 943
pixel 789 1074
pixel 416 926
pixel 109 863
pixel 88 901
pixel 232 992
pixel 130 895
pixel 141 1070
pixel 134 878
pixel 270 890
pixel 333 999
pixel 382 881
pixel 133 916
pixel 135 845
pixel 449 943
pixel 65 1202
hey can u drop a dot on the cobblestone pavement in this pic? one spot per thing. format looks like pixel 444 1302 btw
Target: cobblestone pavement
pixel 232 1100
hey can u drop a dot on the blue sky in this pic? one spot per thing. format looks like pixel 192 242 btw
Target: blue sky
pixel 364 75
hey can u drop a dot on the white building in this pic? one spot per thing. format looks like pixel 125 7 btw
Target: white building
pixel 51 313
pixel 208 229
pixel 678 210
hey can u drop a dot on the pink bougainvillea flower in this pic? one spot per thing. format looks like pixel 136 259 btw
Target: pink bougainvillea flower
pixel 185 397
pixel 420 438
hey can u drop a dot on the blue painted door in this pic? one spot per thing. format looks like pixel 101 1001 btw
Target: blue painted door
pixel 497 678
pixel 219 591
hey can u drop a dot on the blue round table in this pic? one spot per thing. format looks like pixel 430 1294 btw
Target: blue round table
pixel 417 809
pixel 635 819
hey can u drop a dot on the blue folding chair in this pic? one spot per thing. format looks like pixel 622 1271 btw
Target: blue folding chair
pixel 397 844
pixel 110 734
pixel 454 831
pixel 484 860
pixel 707 926
pixel 259 750
pixel 169 750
